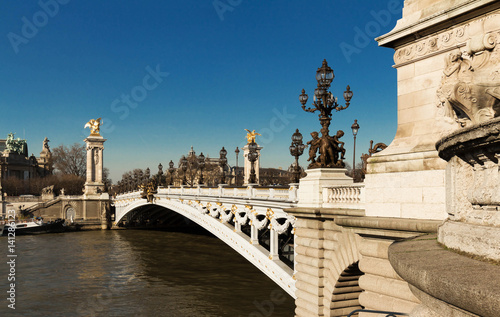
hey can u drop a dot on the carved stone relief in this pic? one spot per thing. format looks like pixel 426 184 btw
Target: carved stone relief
pixel 470 88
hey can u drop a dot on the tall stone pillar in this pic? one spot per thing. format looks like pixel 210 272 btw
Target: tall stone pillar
pixel 95 147
pixel 248 165
pixel 439 45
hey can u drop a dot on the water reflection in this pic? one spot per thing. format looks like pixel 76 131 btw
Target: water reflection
pixel 138 273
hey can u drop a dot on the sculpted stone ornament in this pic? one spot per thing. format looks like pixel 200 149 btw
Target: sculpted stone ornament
pixel 372 150
pixel 473 189
pixel 46 147
pixel 331 149
pixel 49 190
pixel 94 126
pixel 16 145
pixel 251 136
pixel 470 89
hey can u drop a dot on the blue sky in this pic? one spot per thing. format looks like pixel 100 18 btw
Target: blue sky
pixel 166 75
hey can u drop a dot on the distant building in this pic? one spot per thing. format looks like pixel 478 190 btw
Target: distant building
pixel 15 162
pixel 269 176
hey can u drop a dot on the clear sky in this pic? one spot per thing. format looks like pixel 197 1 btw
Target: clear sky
pixel 165 75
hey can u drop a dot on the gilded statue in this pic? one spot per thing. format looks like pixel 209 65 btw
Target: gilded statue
pixel 94 126
pixel 251 136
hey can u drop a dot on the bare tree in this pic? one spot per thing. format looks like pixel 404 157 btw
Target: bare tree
pixel 70 160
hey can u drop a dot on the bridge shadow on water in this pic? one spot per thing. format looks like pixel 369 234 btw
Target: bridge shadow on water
pixel 204 271
pixel 155 217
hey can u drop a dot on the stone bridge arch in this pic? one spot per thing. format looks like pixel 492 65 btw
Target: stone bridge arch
pixel 257 255
pixel 327 268
pixel 342 273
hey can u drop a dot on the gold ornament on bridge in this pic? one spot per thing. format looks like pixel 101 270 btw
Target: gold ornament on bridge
pixel 94 126
pixel 251 136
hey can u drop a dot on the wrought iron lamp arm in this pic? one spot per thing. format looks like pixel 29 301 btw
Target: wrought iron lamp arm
pixel 339 108
pixel 309 109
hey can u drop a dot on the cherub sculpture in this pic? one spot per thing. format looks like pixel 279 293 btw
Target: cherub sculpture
pixel 94 126
pixel 314 145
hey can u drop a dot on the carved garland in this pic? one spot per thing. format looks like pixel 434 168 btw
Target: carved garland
pixel 448 39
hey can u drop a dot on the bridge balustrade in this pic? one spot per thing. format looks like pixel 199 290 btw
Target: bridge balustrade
pixel 268 193
pixel 344 196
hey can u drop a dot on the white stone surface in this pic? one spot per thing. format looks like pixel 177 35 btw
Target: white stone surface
pixel 473 239
pixel 310 191
pixel 413 194
pixel 95 165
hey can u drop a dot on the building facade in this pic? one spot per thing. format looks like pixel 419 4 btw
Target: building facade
pixel 16 162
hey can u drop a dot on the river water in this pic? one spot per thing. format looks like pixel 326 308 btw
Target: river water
pixel 135 273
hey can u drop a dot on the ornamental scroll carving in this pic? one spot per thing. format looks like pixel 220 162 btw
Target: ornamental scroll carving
pixel 451 38
pixel 470 88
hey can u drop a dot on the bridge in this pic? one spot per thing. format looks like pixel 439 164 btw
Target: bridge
pixel 250 220
pixel 332 259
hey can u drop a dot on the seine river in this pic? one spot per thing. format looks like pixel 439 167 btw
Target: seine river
pixel 136 273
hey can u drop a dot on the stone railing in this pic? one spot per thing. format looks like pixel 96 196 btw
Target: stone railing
pixel 23 198
pixel 344 196
pixel 250 192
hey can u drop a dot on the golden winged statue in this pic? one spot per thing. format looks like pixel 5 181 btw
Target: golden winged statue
pixel 94 126
pixel 251 135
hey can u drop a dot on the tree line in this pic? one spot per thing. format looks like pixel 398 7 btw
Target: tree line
pixel 69 172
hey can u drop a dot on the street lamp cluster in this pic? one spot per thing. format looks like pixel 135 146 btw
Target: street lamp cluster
pixel 330 149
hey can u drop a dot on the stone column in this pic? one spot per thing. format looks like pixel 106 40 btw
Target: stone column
pixel 434 43
pixel 248 165
pixel 95 146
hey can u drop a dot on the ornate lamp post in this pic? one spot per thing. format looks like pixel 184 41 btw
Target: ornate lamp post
pixel 147 175
pixel 324 102
pixel 129 183
pixel 252 157
pixel 222 163
pixel 140 178
pixel 201 162
pixel 171 170
pixel 184 166
pixel 296 149
pixel 160 175
pixel 237 151
pixel 355 128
